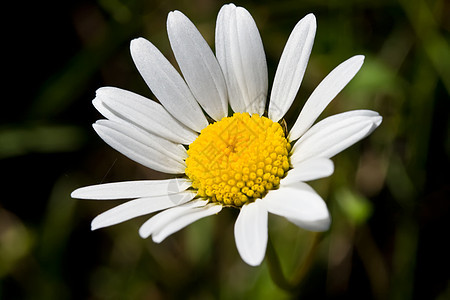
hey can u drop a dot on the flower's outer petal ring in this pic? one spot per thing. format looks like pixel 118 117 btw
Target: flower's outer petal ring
pixel 149 150
pixel 291 67
pixel 334 134
pixel 300 204
pixel 159 221
pixel 240 53
pixel 132 189
pixel 250 232
pixel 198 65
pixel 139 207
pixel 182 221
pixel 167 84
pixel 124 106
pixel 308 170
pixel 324 93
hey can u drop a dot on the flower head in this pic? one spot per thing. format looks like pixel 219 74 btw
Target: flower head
pixel 245 160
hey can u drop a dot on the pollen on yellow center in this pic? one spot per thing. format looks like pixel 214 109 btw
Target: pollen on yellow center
pixel 238 159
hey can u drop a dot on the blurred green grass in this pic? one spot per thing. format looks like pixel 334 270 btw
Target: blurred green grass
pixel 389 197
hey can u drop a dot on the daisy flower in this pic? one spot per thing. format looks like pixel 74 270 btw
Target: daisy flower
pixel 244 160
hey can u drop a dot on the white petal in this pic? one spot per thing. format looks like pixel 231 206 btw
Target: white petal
pixel 149 150
pixel 325 92
pixel 139 207
pixel 159 221
pixel 291 67
pixel 198 65
pixel 300 204
pixel 167 85
pixel 182 221
pixel 132 189
pixel 172 150
pixel 308 170
pixel 124 106
pixel 107 112
pixel 240 53
pixel 250 232
pixel 334 134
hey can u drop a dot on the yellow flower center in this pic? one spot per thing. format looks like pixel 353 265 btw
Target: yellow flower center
pixel 238 159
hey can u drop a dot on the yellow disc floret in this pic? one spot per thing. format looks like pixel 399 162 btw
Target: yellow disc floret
pixel 238 159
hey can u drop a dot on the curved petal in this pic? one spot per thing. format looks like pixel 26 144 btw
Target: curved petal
pixel 334 134
pixel 250 232
pixel 182 221
pixel 167 85
pixel 124 106
pixel 291 67
pixel 132 189
pixel 308 170
pixel 240 53
pixel 159 221
pixel 140 207
pixel 300 204
pixel 149 150
pixel 198 65
pixel 324 93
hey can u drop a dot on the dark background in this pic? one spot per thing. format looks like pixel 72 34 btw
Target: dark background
pixel 389 197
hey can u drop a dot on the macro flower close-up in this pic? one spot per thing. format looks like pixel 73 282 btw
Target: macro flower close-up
pixel 219 131
pixel 213 150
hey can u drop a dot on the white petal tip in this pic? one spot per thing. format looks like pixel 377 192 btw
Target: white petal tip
pixel 331 171
pixel 96 101
pixel 97 127
pixel 173 16
pixel 358 60
pixel 100 222
pixel 95 226
pixel 360 57
pixel 253 262
pixel 322 225
pixel 102 91
pixel 137 42
pixel 138 39
pixel 79 193
pixel 378 121
pixel 310 18
pixel 143 234
pixel 75 194
pixel 157 239
pixel 319 225
pixel 229 5
pixel 308 22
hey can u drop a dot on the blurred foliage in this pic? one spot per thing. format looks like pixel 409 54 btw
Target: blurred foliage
pixel 389 197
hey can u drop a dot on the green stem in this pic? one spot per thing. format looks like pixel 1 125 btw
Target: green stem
pixel 276 271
